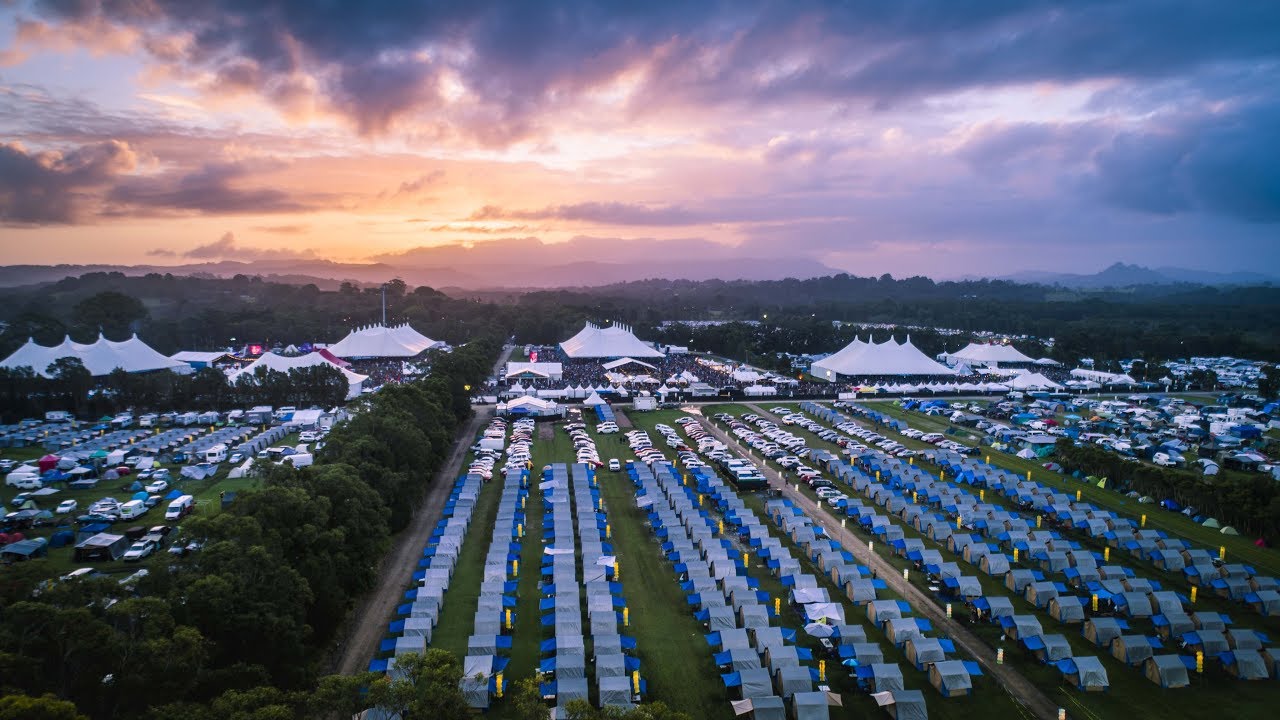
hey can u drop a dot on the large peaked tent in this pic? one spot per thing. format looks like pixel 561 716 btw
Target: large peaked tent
pixel 860 358
pixel 615 341
pixel 989 354
pixel 100 357
pixel 380 341
pixel 280 363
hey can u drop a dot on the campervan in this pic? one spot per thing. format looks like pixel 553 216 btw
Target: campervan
pixel 58 416
pixel 148 420
pixel 180 508
pixel 133 509
pixel 216 454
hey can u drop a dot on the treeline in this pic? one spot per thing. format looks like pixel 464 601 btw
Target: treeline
pixel 173 313
pixel 239 628
pixel 1250 502
pixel 24 394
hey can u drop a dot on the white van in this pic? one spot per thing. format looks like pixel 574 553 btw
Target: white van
pixel 299 460
pixel 216 454
pixel 133 509
pixel 180 508
pixel 58 416
pixel 24 478
pixel 148 420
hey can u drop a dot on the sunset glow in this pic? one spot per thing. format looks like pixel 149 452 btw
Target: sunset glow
pixel 939 138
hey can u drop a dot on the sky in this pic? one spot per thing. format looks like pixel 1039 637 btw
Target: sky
pixel 914 137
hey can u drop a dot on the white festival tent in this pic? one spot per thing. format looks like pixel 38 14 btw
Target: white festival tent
pixel 1033 381
pixel 1107 378
pixel 616 341
pixel 988 354
pixel 860 358
pixel 100 357
pixel 379 341
pixel 283 364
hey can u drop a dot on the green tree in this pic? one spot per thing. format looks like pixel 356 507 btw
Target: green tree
pixel 45 707
pixel 525 701
pixel 429 688
pixel 110 312
pixel 1269 382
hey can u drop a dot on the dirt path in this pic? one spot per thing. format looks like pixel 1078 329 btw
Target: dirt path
pixel 1022 690
pixel 369 619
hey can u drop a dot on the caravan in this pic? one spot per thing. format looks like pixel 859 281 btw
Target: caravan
pixel 216 454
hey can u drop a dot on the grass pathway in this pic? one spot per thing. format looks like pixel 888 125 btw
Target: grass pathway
pixel 676 660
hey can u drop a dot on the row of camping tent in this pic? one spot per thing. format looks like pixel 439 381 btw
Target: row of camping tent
pixel 1199 566
pixel 1237 582
pixel 576 526
pixel 580 392
pixel 490 642
pixel 417 618
pixel 950 675
pixel 1132 596
pixel 761 665
pixel 1087 673
pixel 228 436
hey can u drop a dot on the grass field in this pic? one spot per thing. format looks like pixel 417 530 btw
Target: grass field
pixel 1130 693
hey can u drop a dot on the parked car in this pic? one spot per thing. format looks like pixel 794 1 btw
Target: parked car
pixel 139 550
pixel 615 465
pixel 66 506
pixel 157 486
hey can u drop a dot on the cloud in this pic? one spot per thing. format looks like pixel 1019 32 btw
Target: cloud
pixel 606 213
pixel 494 70
pixel 54 187
pixel 161 252
pixel 226 247
pixel 283 229
pixel 420 183
pixel 1223 163
pixel 211 189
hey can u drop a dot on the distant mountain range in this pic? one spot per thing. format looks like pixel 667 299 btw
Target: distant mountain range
pixel 1121 275
pixel 527 263
pixel 511 274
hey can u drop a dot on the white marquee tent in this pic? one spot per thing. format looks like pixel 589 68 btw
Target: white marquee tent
pixel 280 363
pixel 616 341
pixel 379 341
pixel 860 358
pixel 988 354
pixel 1033 381
pixel 100 357
pixel 553 371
